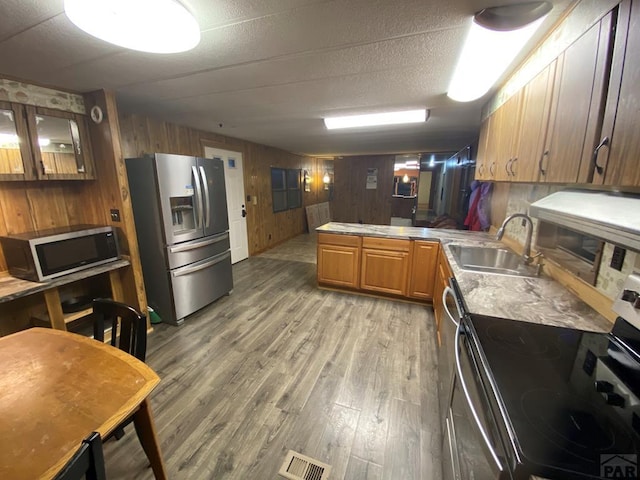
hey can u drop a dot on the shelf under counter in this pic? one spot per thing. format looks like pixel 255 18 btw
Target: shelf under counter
pixel 12 288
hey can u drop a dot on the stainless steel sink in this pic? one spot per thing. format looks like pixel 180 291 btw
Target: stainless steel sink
pixel 500 261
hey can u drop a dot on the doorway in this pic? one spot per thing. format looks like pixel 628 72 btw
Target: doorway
pixel 234 185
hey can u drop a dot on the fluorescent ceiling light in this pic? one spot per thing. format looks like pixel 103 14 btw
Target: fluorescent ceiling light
pixel 156 26
pixel 374 119
pixel 44 142
pixel 485 56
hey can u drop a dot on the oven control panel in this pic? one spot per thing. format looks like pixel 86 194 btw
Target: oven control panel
pixel 627 304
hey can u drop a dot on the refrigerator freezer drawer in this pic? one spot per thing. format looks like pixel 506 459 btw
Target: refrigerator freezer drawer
pixel 199 284
pixel 186 253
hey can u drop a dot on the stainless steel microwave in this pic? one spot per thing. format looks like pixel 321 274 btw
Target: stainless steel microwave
pixel 46 254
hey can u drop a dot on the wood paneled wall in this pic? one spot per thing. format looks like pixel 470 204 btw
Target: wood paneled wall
pixel 141 135
pixel 352 202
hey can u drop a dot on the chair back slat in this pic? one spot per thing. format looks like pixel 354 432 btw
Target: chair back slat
pixel 128 326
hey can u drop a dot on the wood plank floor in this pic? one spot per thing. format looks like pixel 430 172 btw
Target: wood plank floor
pixel 278 365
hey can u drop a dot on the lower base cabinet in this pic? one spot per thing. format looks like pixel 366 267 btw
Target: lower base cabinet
pixel 384 271
pixel 442 276
pixel 424 260
pixel 387 266
pixel 339 260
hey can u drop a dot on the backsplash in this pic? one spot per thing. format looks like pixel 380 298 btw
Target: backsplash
pixel 610 280
pixel 19 92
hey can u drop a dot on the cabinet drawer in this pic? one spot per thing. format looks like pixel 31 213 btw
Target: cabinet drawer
pixel 333 239
pixel 386 244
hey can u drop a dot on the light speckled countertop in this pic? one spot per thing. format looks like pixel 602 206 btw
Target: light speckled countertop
pixel 537 300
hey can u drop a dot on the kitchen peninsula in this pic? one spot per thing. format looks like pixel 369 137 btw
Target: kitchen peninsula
pixel 354 257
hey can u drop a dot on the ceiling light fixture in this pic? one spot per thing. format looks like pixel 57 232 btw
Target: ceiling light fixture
pixel 375 119
pixel 155 26
pixel 496 37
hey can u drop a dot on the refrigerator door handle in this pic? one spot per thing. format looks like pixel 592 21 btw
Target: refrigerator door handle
pixel 196 245
pixel 207 200
pixel 179 272
pixel 196 179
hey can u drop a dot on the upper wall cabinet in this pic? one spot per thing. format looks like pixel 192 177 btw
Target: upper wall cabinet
pixel 547 131
pixel 43 144
pixel 576 106
pixel 60 144
pixel 483 162
pixel 15 152
pixel 616 157
pixel 534 118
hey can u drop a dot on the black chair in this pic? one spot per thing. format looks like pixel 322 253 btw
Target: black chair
pixel 87 462
pixel 128 326
pixel 128 333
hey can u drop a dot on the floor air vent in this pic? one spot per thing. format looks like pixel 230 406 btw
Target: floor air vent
pixel 301 467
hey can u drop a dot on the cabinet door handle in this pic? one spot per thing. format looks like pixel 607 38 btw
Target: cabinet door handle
pixel 603 143
pixel 513 164
pixel 507 167
pixel 492 169
pixel 542 170
pixel 481 169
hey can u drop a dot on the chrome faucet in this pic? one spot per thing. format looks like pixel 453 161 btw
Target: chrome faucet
pixel 526 254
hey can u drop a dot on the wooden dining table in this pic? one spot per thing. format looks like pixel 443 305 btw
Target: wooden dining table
pixel 56 388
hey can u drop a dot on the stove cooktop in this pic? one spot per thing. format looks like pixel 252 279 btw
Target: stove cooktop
pixel 571 397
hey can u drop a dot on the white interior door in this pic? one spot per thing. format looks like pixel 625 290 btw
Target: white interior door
pixel 234 184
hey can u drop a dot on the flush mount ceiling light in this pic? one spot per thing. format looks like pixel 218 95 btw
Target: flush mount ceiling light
pixel 375 119
pixel 496 37
pixel 156 26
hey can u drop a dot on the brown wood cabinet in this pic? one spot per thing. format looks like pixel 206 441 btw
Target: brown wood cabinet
pixel 385 265
pixel 424 259
pixel 617 162
pixel 534 118
pixel 339 260
pixel 507 137
pixel 442 276
pixel 16 160
pixel 547 131
pixel 578 96
pixel 39 143
pixel 483 160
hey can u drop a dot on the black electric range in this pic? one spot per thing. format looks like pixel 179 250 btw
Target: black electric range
pixel 567 400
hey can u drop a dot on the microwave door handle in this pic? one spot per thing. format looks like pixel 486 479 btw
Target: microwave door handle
pixel 207 200
pixel 449 291
pixel 483 433
pixel 196 184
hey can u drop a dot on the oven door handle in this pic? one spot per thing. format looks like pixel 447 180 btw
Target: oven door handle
pixel 449 291
pixel 483 433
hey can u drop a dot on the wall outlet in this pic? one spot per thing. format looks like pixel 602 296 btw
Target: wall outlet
pixel 617 259
pixel 115 215
pixel 254 199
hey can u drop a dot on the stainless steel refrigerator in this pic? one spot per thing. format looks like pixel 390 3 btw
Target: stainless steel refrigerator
pixel 180 212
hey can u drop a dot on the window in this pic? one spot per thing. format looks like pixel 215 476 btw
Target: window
pixel 285 189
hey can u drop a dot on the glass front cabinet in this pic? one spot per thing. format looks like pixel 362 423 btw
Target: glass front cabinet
pixel 39 143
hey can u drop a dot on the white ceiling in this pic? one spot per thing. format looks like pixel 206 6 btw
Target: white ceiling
pixel 269 70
